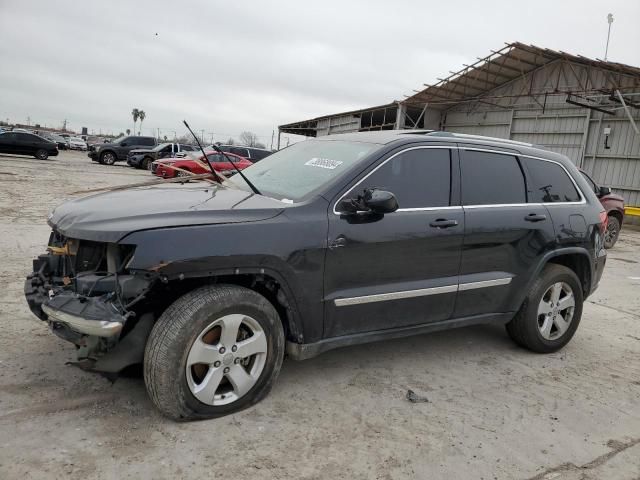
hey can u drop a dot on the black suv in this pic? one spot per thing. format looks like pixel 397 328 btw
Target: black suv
pixel 144 157
pixel 250 153
pixel 352 238
pixel 116 151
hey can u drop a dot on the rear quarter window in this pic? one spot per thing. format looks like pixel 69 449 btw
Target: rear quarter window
pixel 549 182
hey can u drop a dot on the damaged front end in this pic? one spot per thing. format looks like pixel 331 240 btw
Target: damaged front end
pixel 89 297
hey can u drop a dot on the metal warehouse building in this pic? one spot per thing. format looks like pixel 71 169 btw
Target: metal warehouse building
pixel 588 110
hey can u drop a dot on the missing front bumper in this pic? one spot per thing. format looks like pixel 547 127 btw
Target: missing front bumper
pixel 93 316
pixel 98 328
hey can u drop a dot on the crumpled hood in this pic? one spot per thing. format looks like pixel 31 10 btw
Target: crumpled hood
pixel 107 217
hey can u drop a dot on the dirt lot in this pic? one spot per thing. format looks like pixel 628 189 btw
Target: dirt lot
pixel 495 411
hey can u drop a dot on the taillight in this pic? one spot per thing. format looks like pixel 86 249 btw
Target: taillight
pixel 604 220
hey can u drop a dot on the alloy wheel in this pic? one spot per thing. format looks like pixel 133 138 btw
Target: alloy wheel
pixel 555 311
pixel 226 359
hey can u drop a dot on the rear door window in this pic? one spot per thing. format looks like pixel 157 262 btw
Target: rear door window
pixel 419 178
pixel 491 179
pixel 549 182
pixel 243 152
pixel 258 154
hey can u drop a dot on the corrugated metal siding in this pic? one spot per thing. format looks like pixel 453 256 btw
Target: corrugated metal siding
pixel 571 130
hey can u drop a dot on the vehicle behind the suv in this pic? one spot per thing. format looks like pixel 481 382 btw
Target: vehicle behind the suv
pixel 253 154
pixel 613 204
pixel 144 157
pixel 328 243
pixel 116 151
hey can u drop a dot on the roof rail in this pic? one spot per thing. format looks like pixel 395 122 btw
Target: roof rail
pixel 478 137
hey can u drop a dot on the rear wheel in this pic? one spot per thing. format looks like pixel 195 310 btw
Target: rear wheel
pixel 612 232
pixel 551 312
pixel 107 158
pixel 41 154
pixel 214 351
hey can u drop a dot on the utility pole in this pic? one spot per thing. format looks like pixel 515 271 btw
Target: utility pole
pixel 609 21
pixel 272 134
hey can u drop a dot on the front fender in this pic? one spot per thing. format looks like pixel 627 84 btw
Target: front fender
pixel 290 251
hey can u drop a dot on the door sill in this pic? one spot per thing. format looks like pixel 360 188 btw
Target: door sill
pixel 303 351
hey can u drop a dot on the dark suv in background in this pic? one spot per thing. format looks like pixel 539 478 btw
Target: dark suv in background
pixel 116 151
pixel 253 154
pixel 337 241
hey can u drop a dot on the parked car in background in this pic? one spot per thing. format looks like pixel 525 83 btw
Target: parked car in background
pixel 77 143
pixel 144 157
pixel 59 140
pixel 613 204
pixel 196 164
pixel 21 143
pixel 117 151
pixel 250 153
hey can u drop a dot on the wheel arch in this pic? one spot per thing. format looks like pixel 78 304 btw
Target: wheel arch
pixel 267 282
pixel 576 259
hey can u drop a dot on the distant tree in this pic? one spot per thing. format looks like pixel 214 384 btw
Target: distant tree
pixel 141 115
pixel 248 138
pixel 122 134
pixel 230 141
pixel 128 131
pixel 165 138
pixel 260 145
pixel 135 113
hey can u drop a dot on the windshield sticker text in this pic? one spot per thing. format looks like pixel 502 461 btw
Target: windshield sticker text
pixel 324 163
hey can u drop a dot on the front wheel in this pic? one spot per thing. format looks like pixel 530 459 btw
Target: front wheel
pixel 146 164
pixel 612 232
pixel 107 158
pixel 41 154
pixel 214 351
pixel 551 312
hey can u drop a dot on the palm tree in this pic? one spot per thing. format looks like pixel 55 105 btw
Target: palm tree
pixel 135 113
pixel 141 116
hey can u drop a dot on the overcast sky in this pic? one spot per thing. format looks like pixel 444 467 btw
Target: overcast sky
pixel 229 66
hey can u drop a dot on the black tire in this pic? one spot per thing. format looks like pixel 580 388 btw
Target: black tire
pixel 41 154
pixel 524 327
pixel 175 332
pixel 107 158
pixel 612 233
pixel 146 163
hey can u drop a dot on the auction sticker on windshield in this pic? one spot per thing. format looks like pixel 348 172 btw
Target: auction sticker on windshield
pixel 324 163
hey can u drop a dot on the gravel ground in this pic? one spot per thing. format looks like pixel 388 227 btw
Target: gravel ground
pixel 495 411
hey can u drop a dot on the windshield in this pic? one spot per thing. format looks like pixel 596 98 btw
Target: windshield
pixel 296 171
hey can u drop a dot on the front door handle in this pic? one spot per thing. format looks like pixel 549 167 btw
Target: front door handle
pixel 443 223
pixel 535 217
pixel 338 242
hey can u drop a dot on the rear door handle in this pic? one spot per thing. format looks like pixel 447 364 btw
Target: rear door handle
pixel 443 223
pixel 534 217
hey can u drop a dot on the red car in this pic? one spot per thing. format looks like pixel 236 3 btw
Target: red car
pixel 614 205
pixel 198 165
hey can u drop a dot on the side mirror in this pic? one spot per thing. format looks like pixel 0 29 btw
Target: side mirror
pixel 380 201
pixel 371 201
pixel 604 191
